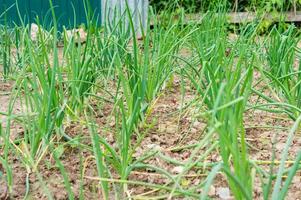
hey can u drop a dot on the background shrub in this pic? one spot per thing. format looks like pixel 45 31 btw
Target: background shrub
pixel 230 5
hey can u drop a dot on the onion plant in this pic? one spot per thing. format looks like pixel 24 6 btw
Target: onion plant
pixel 223 78
pixel 80 69
pixel 41 82
pixel 282 75
pixel 5 50
pixel 44 95
pixel 52 87
pixel 282 72
pixel 107 46
pixel 141 72
pixel 81 62
pixel 273 184
pixel 221 72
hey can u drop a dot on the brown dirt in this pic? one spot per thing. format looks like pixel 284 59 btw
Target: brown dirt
pixel 169 128
pixel 174 130
pixel 6 88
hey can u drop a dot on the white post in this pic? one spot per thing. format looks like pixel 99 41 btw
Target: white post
pixel 114 11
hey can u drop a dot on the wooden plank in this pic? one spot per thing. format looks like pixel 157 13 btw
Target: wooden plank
pixel 244 17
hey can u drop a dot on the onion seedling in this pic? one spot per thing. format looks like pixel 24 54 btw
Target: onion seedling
pixel 224 79
pixel 282 72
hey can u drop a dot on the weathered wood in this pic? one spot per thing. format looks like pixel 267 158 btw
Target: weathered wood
pixel 243 17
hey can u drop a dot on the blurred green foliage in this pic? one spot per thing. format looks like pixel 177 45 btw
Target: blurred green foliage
pixel 230 5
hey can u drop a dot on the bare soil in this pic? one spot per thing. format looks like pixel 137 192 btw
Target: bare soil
pixel 170 130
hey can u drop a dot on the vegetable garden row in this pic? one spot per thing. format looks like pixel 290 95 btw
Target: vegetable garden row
pixel 190 111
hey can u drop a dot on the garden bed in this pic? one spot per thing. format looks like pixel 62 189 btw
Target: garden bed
pixel 190 112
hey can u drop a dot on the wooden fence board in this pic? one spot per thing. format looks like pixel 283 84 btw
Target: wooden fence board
pixel 244 17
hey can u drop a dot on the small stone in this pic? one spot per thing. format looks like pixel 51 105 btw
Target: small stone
pixel 196 182
pixel 212 191
pixel 112 123
pixel 79 35
pixel 153 147
pixel 223 193
pixel 178 169
pixel 197 125
pixel 37 33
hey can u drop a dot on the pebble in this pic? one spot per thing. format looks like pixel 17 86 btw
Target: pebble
pixel 223 193
pixel 178 169
pixel 212 191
